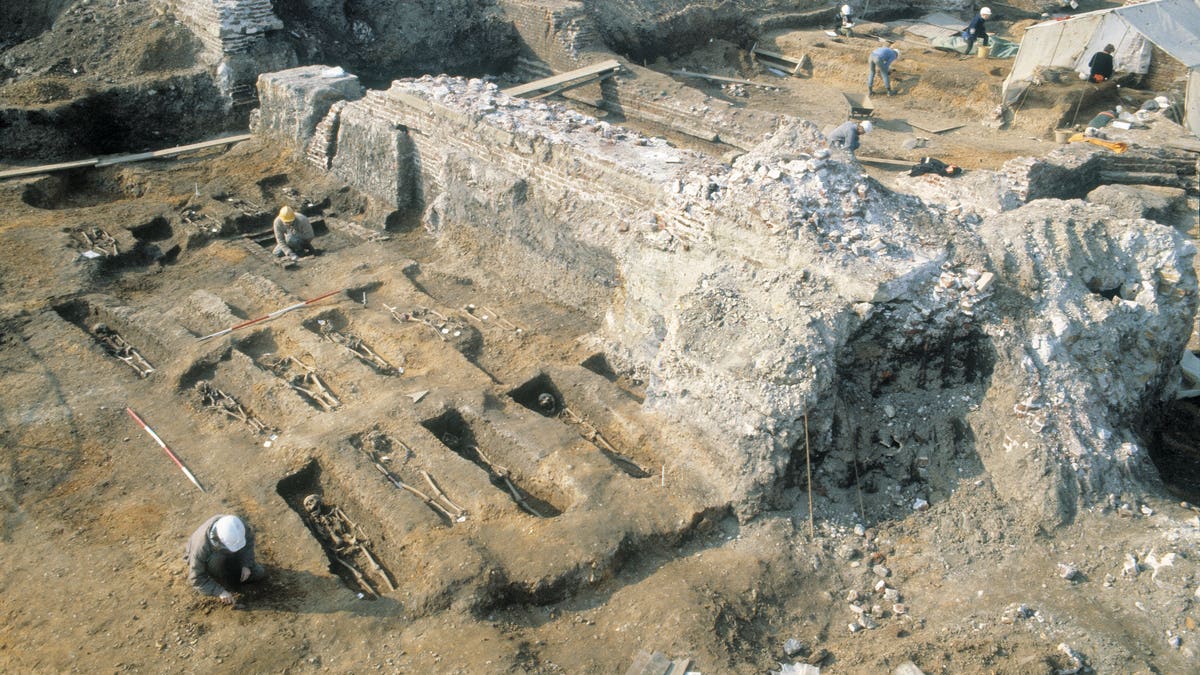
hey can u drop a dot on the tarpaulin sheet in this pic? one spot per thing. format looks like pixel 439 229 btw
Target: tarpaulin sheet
pixel 999 48
pixel 1173 25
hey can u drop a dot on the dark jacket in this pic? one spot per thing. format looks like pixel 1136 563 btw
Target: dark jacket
pixel 1101 64
pixel 977 27
pixel 208 560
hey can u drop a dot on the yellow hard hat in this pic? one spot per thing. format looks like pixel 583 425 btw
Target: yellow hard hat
pixel 286 214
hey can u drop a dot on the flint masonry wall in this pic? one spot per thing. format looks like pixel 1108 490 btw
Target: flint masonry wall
pixel 743 292
pixel 624 227
pixel 404 146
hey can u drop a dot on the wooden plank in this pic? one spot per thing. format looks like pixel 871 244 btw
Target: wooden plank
pixel 899 163
pixel 556 80
pixel 777 56
pixel 1189 144
pixel 567 87
pixel 935 127
pixel 171 152
pixel 718 78
pixel 47 168
pixel 679 667
pixel 639 663
pixel 122 159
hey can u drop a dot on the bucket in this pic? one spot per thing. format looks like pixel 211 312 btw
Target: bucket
pixel 983 52
pixel 1061 135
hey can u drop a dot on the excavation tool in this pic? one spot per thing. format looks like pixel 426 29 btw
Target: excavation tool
pixel 216 399
pixel 267 317
pixel 306 382
pixel 167 450
pixel 440 503
pixel 116 345
pixel 346 538
pixel 358 348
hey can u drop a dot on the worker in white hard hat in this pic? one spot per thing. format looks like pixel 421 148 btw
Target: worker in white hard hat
pixel 846 136
pixel 293 234
pixel 977 30
pixel 220 555
pixel 845 20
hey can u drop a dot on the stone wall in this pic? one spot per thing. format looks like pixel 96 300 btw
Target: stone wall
pixel 293 102
pixel 787 291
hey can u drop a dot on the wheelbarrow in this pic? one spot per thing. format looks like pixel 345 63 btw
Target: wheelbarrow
pixel 861 106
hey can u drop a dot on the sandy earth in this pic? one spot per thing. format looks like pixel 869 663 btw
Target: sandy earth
pixel 93 516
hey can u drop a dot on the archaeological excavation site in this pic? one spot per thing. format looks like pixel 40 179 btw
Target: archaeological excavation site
pixel 597 336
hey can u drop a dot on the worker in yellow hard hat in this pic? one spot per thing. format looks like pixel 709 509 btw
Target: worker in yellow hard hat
pixel 293 234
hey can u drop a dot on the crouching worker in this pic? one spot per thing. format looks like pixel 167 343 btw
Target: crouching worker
pixel 846 136
pixel 220 556
pixel 293 234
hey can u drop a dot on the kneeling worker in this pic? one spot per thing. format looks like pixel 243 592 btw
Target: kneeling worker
pixel 293 234
pixel 846 136
pixel 220 554
pixel 1102 64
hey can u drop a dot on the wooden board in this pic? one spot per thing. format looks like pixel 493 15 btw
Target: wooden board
pixel 935 127
pixel 777 56
pixel 46 168
pixel 1184 143
pixel 885 161
pixel 122 159
pixel 171 152
pixel 572 85
pixel 649 664
pixel 719 78
pixel 564 78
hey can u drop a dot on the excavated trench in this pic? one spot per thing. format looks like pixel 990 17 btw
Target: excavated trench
pixel 543 397
pixel 454 432
pixel 1175 449
pixel 898 435
pixel 334 518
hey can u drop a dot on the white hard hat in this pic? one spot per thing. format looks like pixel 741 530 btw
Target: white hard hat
pixel 867 126
pixel 897 54
pixel 846 10
pixel 985 11
pixel 231 532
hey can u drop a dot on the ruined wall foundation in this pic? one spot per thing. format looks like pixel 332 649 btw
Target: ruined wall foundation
pixel 787 286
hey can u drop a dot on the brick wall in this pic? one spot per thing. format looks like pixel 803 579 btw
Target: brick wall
pixel 555 32
pixel 227 26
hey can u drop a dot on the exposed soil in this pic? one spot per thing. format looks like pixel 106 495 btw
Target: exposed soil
pixel 94 517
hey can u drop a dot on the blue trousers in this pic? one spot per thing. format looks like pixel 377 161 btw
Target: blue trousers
pixel 883 71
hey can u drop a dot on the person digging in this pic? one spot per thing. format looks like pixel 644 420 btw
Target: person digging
pixel 220 556
pixel 293 234
pixel 846 136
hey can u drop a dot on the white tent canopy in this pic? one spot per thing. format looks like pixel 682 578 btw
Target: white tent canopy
pixel 1173 25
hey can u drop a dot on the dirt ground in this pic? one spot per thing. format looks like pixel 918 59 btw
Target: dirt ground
pixel 94 516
